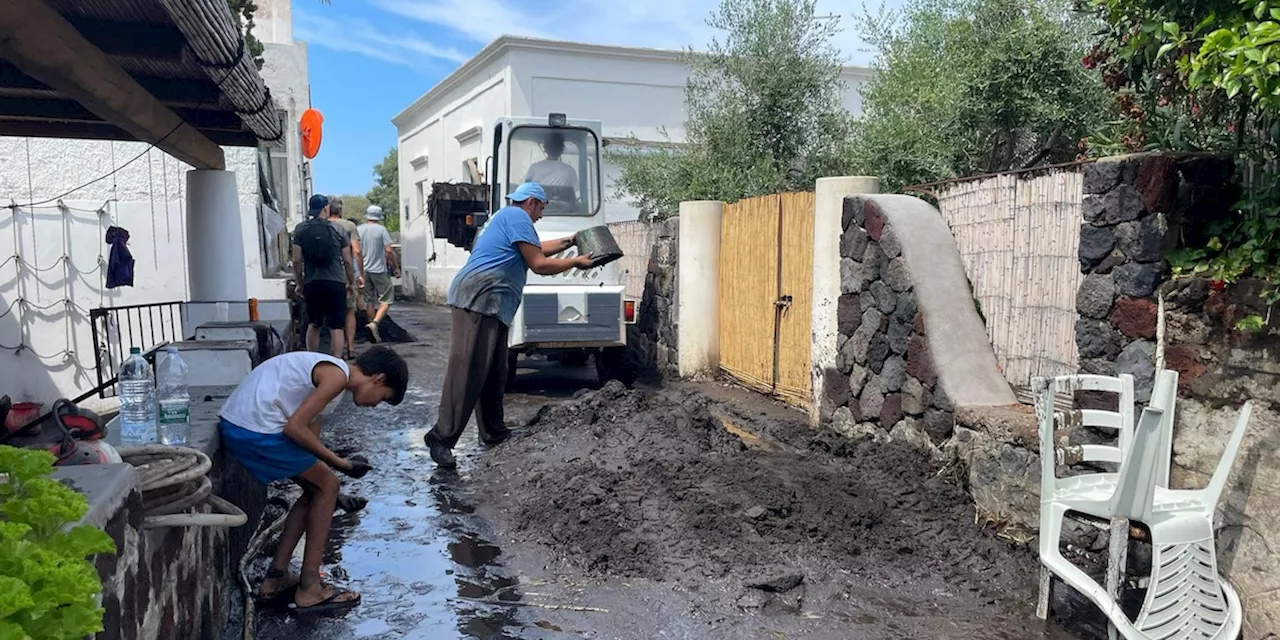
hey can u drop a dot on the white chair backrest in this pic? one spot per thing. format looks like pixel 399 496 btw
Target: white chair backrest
pixel 1164 396
pixel 1135 491
pixel 1120 421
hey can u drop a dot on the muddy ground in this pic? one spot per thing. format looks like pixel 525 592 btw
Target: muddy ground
pixel 693 511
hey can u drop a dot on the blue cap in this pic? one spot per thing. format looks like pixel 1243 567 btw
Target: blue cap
pixel 526 191
pixel 318 203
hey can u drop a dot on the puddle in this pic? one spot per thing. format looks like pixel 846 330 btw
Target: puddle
pixel 418 554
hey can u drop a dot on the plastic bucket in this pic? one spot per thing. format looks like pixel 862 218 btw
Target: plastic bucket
pixel 598 242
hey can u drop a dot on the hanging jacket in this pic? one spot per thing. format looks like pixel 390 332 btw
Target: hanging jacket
pixel 120 265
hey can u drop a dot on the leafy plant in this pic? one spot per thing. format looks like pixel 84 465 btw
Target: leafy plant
pixel 386 189
pixel 965 87
pixel 765 113
pixel 48 588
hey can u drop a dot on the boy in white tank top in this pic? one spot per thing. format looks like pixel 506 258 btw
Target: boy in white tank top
pixel 271 424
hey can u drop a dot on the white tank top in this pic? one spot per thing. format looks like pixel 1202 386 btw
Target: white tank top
pixel 273 391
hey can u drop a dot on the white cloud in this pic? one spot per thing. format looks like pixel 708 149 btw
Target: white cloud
pixel 668 24
pixel 362 38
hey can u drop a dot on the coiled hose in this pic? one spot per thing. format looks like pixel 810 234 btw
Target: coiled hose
pixel 173 481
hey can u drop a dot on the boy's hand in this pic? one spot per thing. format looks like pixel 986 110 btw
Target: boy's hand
pixel 583 262
pixel 357 467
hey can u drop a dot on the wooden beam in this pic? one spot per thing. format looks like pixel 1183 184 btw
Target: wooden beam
pixel 40 42
pixel 104 131
pixel 171 92
pixel 60 110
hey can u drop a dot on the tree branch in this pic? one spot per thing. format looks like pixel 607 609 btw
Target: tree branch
pixel 1048 146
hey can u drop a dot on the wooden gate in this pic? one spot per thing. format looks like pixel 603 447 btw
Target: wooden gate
pixel 766 290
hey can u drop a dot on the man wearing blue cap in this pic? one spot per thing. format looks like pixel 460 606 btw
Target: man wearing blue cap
pixel 483 299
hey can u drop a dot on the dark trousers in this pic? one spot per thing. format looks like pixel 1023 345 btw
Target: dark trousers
pixel 475 377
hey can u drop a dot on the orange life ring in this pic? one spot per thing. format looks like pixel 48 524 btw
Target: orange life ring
pixel 310 127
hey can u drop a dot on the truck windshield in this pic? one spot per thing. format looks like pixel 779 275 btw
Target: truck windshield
pixel 564 160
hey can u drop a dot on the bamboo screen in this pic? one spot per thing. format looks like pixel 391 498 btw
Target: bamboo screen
pixel 1018 238
pixel 635 238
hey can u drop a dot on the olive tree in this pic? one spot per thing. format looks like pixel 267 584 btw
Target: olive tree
pixel 964 87
pixel 764 107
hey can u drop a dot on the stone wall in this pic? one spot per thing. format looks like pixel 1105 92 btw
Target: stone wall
pixel 887 383
pixel 1219 368
pixel 654 337
pixel 177 582
pixel 1135 210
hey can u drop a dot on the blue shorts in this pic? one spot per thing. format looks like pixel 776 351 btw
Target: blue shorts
pixel 268 456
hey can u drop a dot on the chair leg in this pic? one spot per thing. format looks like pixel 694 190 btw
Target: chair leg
pixel 1117 561
pixel 1046 591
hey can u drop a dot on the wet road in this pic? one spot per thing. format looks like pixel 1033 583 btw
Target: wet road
pixel 418 553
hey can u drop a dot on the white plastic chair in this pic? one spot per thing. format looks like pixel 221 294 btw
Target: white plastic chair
pixel 1086 492
pixel 1185 596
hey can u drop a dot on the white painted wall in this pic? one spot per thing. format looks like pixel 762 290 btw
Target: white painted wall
pixel 433 146
pixel 632 92
pixel 46 347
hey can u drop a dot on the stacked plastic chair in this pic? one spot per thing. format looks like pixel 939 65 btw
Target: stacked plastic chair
pixel 1186 598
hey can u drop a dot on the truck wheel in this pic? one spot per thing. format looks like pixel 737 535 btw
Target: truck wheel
pixel 513 360
pixel 616 363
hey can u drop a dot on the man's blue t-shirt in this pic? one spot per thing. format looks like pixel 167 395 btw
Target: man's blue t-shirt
pixel 492 281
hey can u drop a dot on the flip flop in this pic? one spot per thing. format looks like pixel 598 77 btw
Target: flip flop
pixel 329 605
pixel 280 594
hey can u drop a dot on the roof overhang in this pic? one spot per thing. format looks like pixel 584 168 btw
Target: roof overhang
pixel 173 73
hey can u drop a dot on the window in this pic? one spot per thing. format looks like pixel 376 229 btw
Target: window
pixel 564 160
pixel 273 183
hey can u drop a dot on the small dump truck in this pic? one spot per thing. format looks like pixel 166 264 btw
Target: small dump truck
pixel 576 315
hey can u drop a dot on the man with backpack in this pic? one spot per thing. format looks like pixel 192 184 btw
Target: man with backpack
pixel 322 269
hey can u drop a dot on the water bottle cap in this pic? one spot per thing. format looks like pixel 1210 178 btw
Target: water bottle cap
pixel 171 349
pixel 135 350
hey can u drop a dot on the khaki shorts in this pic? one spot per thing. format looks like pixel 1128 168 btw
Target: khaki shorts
pixel 378 288
pixel 353 298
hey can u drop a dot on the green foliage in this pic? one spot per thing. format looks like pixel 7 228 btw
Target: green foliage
pixel 48 589
pixel 1204 76
pixel 386 188
pixel 765 113
pixel 965 87
pixel 242 12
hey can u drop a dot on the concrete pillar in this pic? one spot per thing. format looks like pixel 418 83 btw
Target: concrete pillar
pixel 215 241
pixel 698 288
pixel 829 195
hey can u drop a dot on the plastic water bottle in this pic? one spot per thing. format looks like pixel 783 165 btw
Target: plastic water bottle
pixel 137 400
pixel 173 399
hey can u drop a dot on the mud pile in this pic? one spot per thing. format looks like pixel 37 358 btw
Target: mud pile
pixel 652 485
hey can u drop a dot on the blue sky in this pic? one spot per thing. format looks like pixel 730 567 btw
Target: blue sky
pixel 369 59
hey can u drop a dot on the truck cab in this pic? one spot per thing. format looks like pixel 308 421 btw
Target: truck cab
pixel 577 314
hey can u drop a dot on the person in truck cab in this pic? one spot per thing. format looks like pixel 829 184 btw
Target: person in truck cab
pixel 555 176
pixel 483 299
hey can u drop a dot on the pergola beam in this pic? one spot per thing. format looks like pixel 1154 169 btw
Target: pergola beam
pixel 170 91
pixel 44 45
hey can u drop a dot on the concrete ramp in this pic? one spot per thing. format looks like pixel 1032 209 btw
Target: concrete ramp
pixel 912 346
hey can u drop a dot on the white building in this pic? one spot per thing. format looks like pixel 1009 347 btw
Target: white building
pixel 446 135
pixel 52 249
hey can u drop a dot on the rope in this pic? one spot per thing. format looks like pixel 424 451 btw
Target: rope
pixel 173 480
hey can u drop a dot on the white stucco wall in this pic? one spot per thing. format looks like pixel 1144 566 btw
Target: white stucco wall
pixel 632 92
pixel 44 311
pixel 433 145
pixel 146 197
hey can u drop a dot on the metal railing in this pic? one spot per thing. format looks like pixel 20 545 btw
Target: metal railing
pixel 118 329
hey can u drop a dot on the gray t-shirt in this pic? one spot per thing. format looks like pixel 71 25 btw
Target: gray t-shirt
pixel 333 271
pixel 374 240
pixel 348 229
